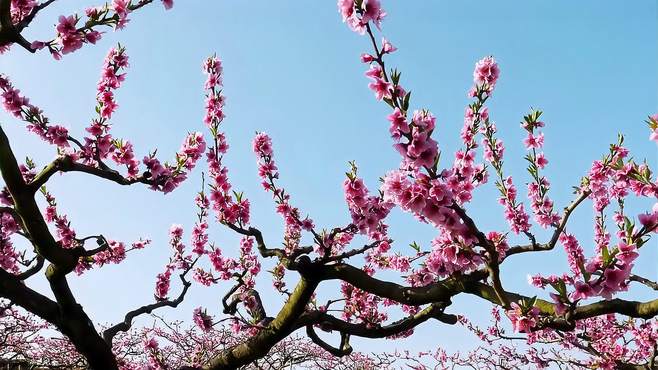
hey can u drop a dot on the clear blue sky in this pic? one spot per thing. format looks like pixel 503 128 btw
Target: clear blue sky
pixel 292 69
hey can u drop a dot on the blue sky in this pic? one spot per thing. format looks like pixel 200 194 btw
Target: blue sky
pixel 292 69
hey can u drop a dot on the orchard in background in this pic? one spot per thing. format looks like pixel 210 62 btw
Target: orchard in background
pixel 578 324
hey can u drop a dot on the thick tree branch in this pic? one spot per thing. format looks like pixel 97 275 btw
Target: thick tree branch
pixel 258 345
pixel 27 209
pixel 440 291
pixel 72 320
pixel 329 322
pixel 75 324
pixel 9 33
pixel 66 164
pixel 343 350
pixel 12 288
pixel 643 310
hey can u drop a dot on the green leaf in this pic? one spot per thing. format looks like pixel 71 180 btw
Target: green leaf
pixel 587 276
pixel 563 289
pixel 605 254
pixel 628 225
pixel 531 302
pixel 395 76
pixel 405 101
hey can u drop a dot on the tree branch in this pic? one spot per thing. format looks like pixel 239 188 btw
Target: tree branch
pixel 343 350
pixel 28 210
pixel 329 322
pixel 556 234
pixel 287 260
pixel 30 17
pixel 9 33
pixel 12 288
pixel 440 291
pixel 126 324
pixel 66 164
pixel 32 270
pixel 639 279
pixel 258 345
pixel 643 310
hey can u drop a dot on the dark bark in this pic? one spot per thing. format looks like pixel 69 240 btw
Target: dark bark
pixel 282 326
pixel 66 314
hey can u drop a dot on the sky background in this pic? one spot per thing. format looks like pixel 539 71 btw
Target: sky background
pixel 292 69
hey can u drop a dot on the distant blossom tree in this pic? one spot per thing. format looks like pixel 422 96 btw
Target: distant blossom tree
pixel 581 323
pixel 171 345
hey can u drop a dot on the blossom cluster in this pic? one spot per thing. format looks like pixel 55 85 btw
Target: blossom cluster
pixel 575 255
pixel 20 9
pixel 19 106
pixel 70 38
pixel 514 211
pixel 420 150
pixel 430 197
pixel 202 319
pixel 100 144
pixel 227 208
pixel 464 170
pixel 72 32
pixel 542 205
pixel 9 257
pixel 178 261
pixel 230 208
pixel 486 74
pixel 523 318
pixel 361 305
pixel 268 172
pixel 152 351
pixel 65 233
pixel 604 274
pixel 367 211
pixel 167 177
pixel 199 231
pixel 115 253
pixel 357 14
pixel 450 255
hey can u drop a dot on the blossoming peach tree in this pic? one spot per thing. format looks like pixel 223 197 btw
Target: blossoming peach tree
pixel 580 323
